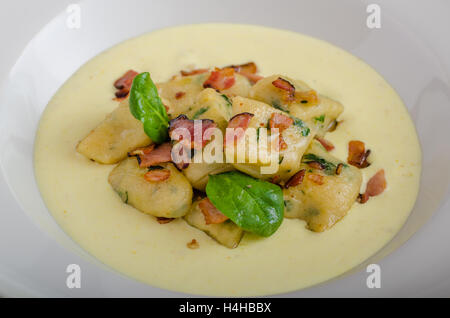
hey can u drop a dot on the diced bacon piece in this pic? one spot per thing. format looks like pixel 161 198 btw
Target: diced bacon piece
pixel 183 122
pixel 211 213
pixel 162 220
pixel 280 121
pixel 247 67
pixel 193 245
pixel 316 178
pixel 179 95
pixel 283 84
pixel 248 70
pixel 124 83
pixel 194 72
pixel 157 175
pixel 315 165
pixel 377 184
pixel 151 156
pixel 325 143
pixel 357 154
pixel 242 121
pixel 339 168
pixel 296 179
pixel 220 79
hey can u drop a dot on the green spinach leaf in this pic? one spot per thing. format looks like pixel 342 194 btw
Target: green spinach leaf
pixel 146 106
pixel 254 205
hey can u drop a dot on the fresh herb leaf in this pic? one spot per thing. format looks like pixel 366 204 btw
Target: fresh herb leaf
pixel 200 112
pixel 320 118
pixel 279 107
pixel 303 128
pixel 329 167
pixel 146 106
pixel 229 104
pixel 254 205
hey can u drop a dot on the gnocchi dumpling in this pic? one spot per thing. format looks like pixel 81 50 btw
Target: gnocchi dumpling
pixel 170 198
pixel 114 137
pixel 296 137
pixel 226 233
pixel 307 105
pixel 327 192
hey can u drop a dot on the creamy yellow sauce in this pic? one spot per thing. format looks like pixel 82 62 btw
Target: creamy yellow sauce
pixel 79 197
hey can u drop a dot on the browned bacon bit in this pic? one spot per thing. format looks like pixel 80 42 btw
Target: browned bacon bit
pixel 183 122
pixel 157 175
pixel 316 178
pixel 357 154
pixel 194 72
pixel 242 121
pixel 296 179
pixel 248 70
pixel 362 198
pixel 333 125
pixel 151 156
pixel 247 67
pixel 162 220
pixel 282 145
pixel 325 143
pixel 339 168
pixel 193 244
pixel 211 213
pixel 275 179
pixel 316 165
pixel 124 83
pixel 220 79
pixel 375 186
pixel 284 85
pixel 280 121
pixel 179 95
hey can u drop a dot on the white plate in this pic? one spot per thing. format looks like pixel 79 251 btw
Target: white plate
pixel 410 50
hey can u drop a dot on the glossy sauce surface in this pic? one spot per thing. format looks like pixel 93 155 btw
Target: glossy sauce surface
pixel 79 197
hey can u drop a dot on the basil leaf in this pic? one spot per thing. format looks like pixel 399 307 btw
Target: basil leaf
pixel 146 106
pixel 254 205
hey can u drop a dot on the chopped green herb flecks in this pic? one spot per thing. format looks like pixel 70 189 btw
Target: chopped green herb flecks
pixel 329 167
pixel 279 107
pixel 320 118
pixel 229 104
pixel 300 124
pixel 200 112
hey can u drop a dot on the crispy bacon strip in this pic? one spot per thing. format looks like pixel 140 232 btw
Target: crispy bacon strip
pixel 124 83
pixel 151 156
pixel 280 121
pixel 248 70
pixel 285 85
pixel 296 179
pixel 242 121
pixel 316 178
pixel 162 220
pixel 157 175
pixel 375 186
pixel 339 168
pixel 211 213
pixel 220 79
pixel 183 122
pixel 357 154
pixel 325 143
pixel 194 72
pixel 316 165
